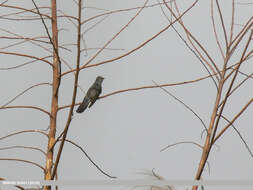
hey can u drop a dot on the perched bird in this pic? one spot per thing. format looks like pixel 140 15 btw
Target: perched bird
pixel 92 95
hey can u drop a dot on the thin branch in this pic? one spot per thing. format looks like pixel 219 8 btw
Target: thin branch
pixel 24 131
pixel 215 32
pixel 25 39
pixel 85 45
pixel 97 48
pixel 26 10
pixel 243 29
pixel 54 48
pixel 190 37
pixel 184 142
pixel 186 106
pixel 19 13
pixel 121 10
pixel 222 23
pixel 141 88
pixel 236 130
pixel 246 75
pixel 153 174
pixel 116 35
pixel 23 92
pixel 232 22
pixel 24 147
pixel 188 46
pixel 240 39
pixel 138 47
pixel 19 19
pixel 245 58
pixel 68 17
pixel 25 55
pixel 26 63
pixel 232 121
pixel 89 158
pixel 95 24
pixel 68 65
pixel 240 84
pixel 26 107
pixel 4 2
pixel 18 36
pixel 25 161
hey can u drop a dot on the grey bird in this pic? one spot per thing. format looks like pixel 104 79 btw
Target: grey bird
pixel 92 95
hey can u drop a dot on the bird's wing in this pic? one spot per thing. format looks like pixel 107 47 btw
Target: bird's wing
pixel 94 94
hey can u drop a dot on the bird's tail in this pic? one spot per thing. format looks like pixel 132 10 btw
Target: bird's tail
pixel 83 105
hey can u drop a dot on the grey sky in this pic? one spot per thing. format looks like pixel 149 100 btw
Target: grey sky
pixel 124 133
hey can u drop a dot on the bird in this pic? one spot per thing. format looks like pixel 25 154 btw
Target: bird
pixel 91 95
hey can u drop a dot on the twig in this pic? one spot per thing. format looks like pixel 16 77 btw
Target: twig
pixel 25 55
pixel 120 10
pixel 232 121
pixel 26 63
pixel 222 23
pixel 21 93
pixel 186 106
pixel 89 158
pixel 24 131
pixel 184 142
pixel 135 49
pixel 55 48
pixel 25 147
pixel 26 107
pixel 116 35
pixel 25 161
pixel 188 46
pixel 237 131
pixel 215 32
pixel 143 87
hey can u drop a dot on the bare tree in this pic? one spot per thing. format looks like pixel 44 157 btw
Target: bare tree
pixel 234 48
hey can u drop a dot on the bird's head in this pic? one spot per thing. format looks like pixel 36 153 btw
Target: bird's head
pixel 99 79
